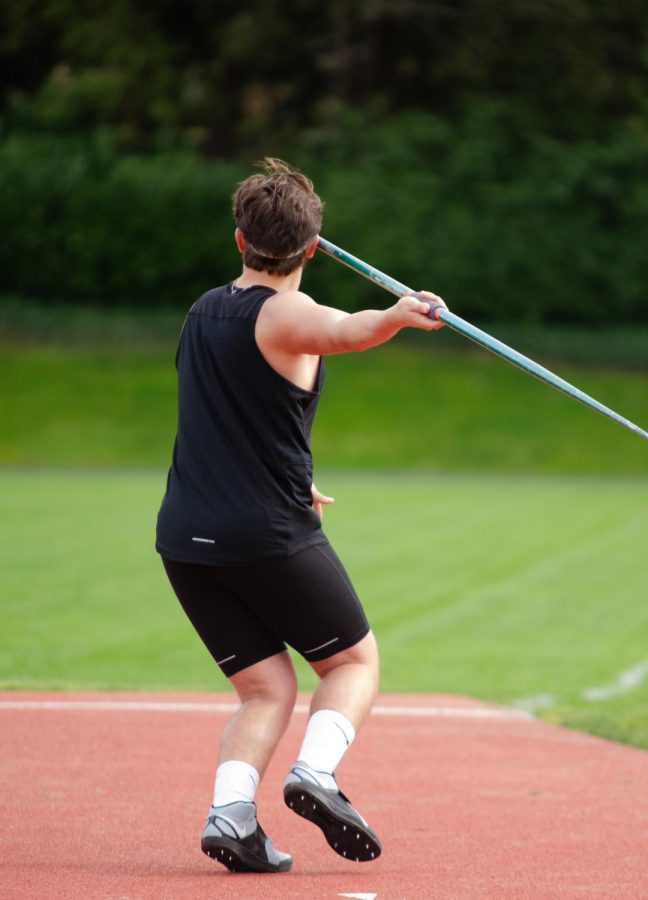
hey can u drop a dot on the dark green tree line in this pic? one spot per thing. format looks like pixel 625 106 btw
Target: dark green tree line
pixel 492 150
pixel 228 77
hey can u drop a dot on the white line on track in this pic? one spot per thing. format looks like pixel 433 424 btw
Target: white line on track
pixel 188 706
pixel 360 896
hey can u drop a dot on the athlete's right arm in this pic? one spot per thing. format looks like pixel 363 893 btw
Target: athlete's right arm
pixel 293 323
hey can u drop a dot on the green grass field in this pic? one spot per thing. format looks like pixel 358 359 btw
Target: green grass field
pixel 507 588
pixel 496 530
pixel 397 407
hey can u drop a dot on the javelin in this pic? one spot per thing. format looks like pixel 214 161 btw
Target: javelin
pixel 477 335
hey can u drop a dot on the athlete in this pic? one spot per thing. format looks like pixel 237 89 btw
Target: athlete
pixel 239 529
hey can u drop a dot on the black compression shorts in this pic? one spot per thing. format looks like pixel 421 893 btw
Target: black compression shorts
pixel 245 614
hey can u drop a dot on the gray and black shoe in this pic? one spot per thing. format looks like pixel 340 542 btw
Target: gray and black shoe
pixel 344 828
pixel 232 836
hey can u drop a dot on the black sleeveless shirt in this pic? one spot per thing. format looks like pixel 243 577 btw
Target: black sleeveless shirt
pixel 239 487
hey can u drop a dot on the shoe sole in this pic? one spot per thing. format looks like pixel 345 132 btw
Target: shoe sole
pixel 237 858
pixel 343 833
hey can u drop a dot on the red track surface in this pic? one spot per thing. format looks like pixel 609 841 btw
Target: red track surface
pixel 109 803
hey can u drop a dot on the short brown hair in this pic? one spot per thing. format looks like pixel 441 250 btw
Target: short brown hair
pixel 279 214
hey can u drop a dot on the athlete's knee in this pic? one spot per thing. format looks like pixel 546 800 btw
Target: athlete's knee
pixel 272 680
pixel 363 654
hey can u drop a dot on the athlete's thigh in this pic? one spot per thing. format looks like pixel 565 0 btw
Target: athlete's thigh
pixel 308 601
pixel 233 633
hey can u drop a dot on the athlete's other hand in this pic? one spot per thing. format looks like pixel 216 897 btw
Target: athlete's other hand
pixel 320 500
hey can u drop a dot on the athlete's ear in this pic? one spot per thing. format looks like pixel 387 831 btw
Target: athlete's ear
pixel 309 252
pixel 241 243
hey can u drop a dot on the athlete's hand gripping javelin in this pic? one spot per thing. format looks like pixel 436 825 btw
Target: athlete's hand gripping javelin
pixel 412 308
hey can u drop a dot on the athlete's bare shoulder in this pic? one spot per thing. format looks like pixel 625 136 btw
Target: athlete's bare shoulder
pixel 283 307
pixel 295 323
pixel 291 298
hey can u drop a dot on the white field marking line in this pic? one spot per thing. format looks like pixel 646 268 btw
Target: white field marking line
pixel 187 706
pixel 626 681
pixel 453 712
pixel 535 702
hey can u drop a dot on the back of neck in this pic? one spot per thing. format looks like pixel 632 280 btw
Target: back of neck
pixel 250 277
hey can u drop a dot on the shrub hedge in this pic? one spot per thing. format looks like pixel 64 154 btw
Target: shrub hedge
pixel 532 232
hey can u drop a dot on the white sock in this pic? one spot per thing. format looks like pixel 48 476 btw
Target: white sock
pixel 235 781
pixel 328 736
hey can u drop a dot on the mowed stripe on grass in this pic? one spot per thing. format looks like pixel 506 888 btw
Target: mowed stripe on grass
pixel 496 587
